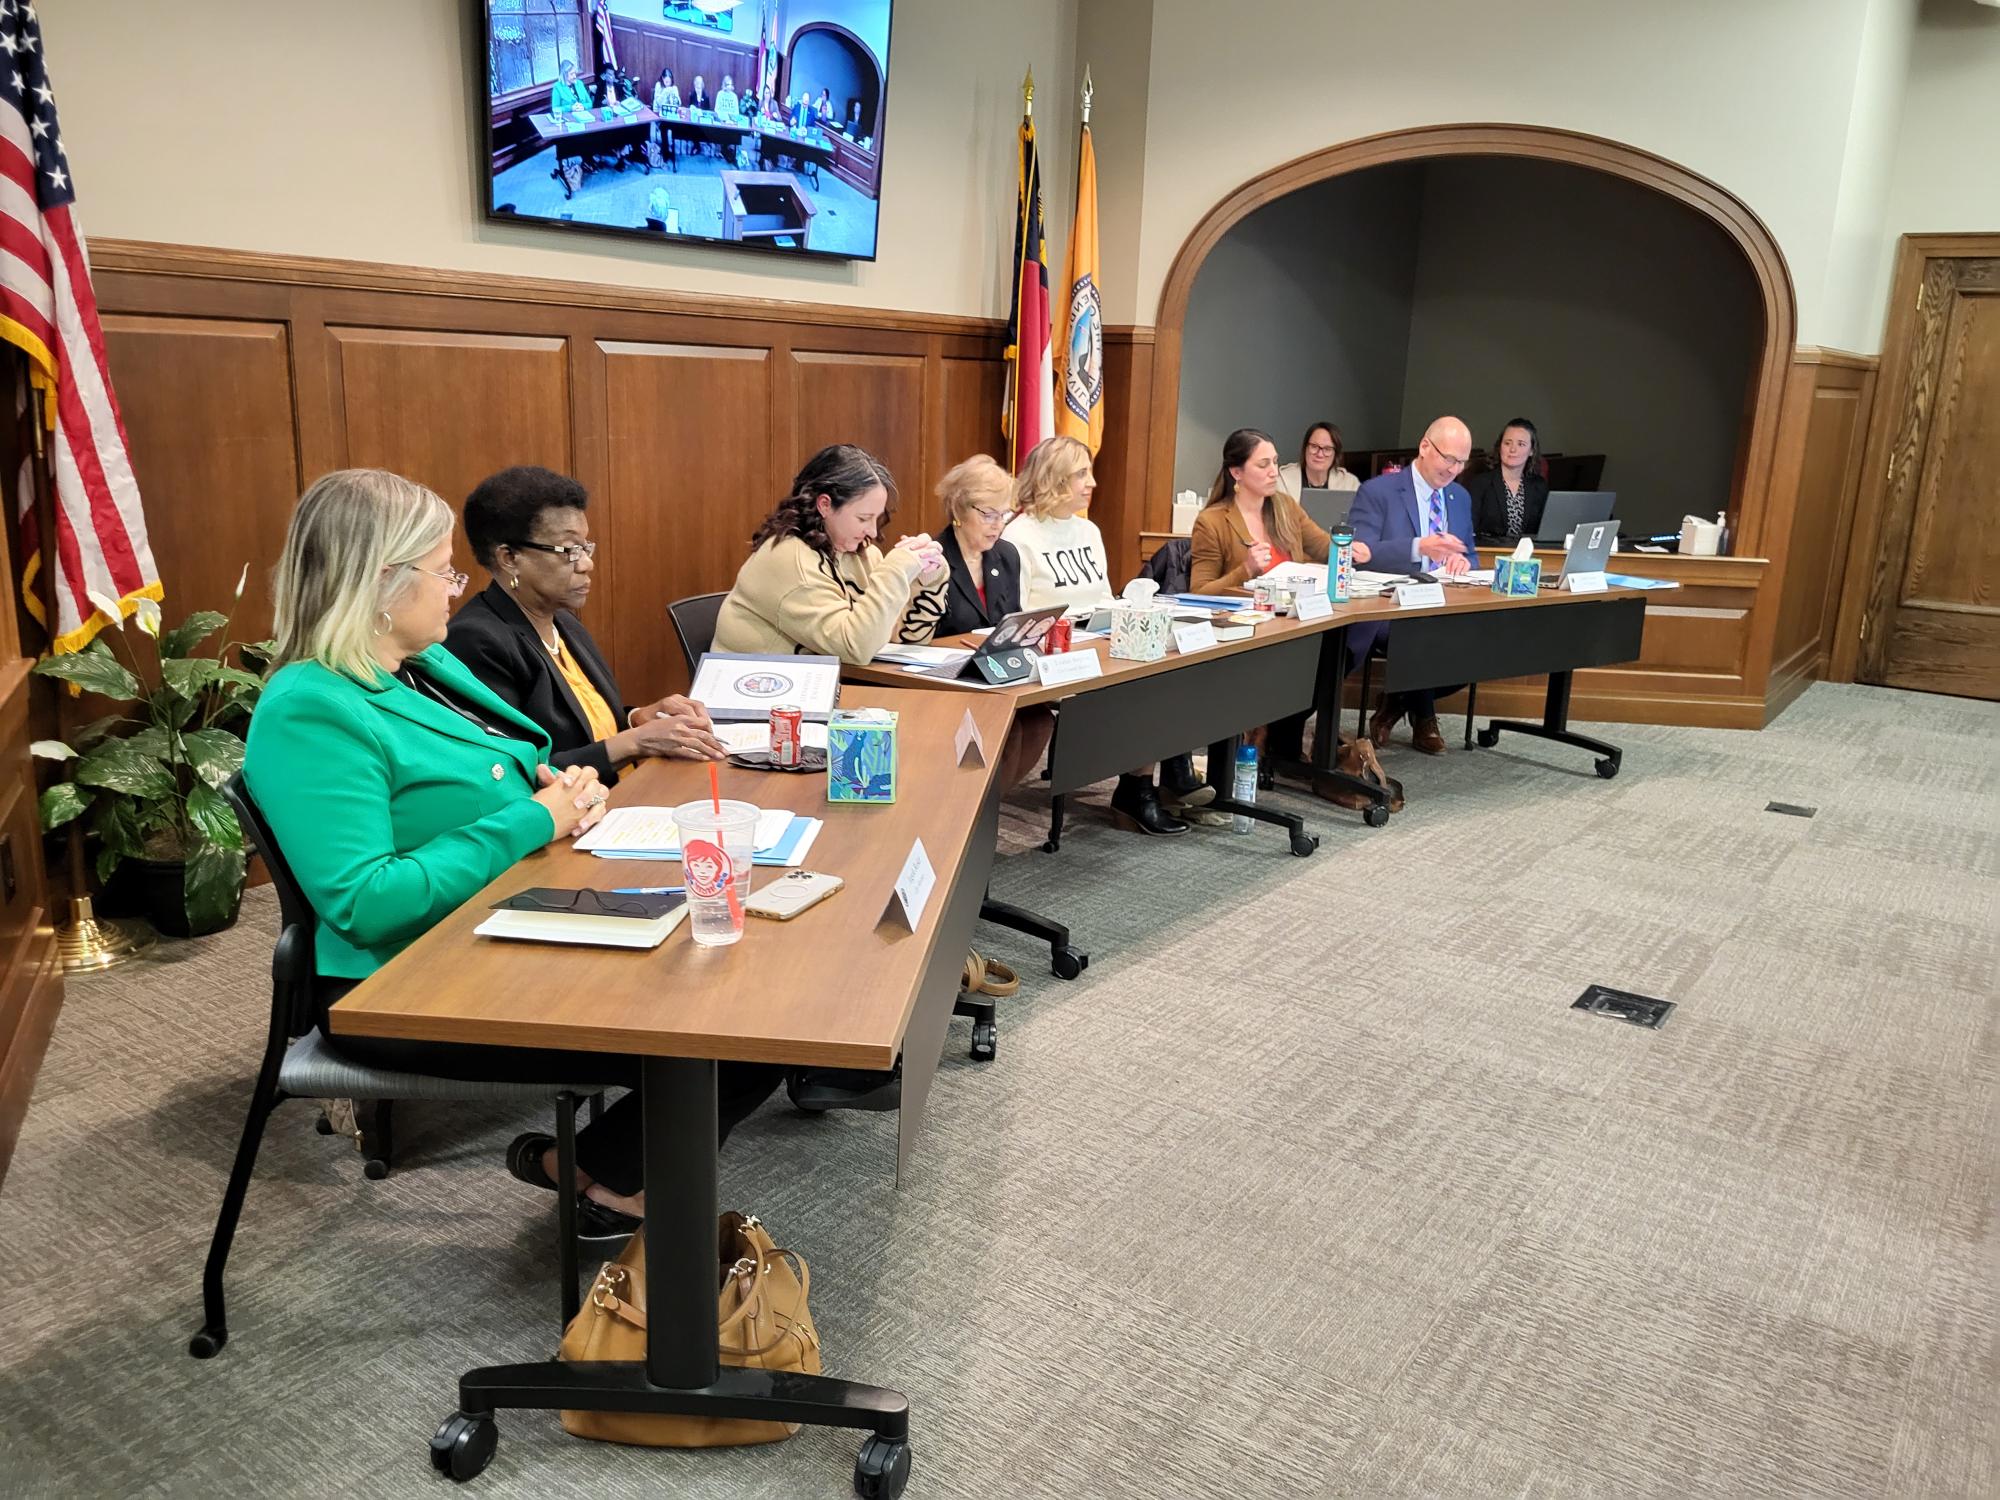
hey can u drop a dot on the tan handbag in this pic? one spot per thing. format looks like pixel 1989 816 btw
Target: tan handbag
pixel 761 1318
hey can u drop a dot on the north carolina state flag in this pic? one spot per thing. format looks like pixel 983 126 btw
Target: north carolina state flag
pixel 1029 414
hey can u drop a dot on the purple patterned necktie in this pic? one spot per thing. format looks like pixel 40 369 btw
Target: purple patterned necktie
pixel 1436 526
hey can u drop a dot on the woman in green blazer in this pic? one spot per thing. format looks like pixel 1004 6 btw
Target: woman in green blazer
pixel 397 785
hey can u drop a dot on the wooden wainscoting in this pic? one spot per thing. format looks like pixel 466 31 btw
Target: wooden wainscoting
pixel 243 377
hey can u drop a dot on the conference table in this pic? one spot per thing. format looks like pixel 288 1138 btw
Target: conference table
pixel 576 138
pixel 774 997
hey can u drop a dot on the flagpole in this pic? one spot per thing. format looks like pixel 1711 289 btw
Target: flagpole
pixel 85 942
pixel 1020 238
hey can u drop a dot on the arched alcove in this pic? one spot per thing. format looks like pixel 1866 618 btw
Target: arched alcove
pixel 826 55
pixel 1767 283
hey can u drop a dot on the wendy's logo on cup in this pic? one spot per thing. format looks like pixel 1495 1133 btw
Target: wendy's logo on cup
pixel 706 867
pixel 763 684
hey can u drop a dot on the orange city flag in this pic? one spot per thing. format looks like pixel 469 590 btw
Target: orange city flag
pixel 1026 418
pixel 1080 350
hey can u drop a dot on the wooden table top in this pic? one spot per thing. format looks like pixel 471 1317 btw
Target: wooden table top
pixel 1459 599
pixel 833 986
pixel 549 128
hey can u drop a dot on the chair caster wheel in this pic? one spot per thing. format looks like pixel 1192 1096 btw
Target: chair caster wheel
pixel 1067 963
pixel 1304 844
pixel 374 1169
pixel 1376 815
pixel 208 1343
pixel 1049 846
pixel 1489 737
pixel 1608 767
pixel 883 1468
pixel 985 1041
pixel 323 1125
pixel 464 1446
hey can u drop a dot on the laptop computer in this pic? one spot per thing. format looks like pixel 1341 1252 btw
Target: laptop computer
pixel 1009 650
pixel 1591 551
pixel 1328 508
pixel 1568 509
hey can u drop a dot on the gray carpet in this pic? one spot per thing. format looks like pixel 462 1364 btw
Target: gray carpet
pixel 1312 1185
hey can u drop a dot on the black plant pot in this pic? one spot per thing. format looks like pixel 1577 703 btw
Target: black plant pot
pixel 161 885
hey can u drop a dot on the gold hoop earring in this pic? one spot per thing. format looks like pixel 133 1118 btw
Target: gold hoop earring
pixel 387 622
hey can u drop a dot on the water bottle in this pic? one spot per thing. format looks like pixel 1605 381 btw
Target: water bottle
pixel 1245 789
pixel 1340 567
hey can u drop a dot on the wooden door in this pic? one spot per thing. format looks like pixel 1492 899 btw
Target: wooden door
pixel 1933 610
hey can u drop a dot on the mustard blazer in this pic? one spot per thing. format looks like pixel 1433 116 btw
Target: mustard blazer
pixel 1220 546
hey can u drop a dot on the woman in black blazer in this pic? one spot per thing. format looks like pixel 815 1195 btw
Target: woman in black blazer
pixel 1508 499
pixel 521 637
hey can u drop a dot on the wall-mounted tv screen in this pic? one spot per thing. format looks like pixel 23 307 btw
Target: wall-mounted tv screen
pixel 736 122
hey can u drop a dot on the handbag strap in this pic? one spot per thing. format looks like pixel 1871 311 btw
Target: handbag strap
pixel 610 1293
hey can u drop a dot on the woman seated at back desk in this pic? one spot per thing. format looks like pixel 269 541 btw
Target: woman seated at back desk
pixel 818 584
pixel 520 635
pixel 1319 467
pixel 397 785
pixel 1509 498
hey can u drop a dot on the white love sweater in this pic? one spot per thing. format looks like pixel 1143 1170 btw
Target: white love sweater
pixel 1062 562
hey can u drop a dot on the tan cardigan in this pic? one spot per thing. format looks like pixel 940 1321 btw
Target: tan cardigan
pixel 790 598
pixel 1220 550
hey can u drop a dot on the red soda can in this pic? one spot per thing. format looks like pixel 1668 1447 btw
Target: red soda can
pixel 787 735
pixel 1058 637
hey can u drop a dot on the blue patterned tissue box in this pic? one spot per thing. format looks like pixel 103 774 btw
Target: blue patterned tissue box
pixel 1520 578
pixel 861 755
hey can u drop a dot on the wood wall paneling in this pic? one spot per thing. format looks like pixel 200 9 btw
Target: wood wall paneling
pixel 689 474
pixel 973 392
pixel 447 409
pixel 1123 504
pixel 209 418
pixel 644 49
pixel 875 400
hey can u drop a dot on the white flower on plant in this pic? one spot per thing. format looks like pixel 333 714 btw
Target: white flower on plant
pixel 107 606
pixel 51 750
pixel 241 579
pixel 147 613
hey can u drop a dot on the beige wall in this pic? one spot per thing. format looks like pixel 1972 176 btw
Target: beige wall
pixel 1947 165
pixel 1756 97
pixel 351 130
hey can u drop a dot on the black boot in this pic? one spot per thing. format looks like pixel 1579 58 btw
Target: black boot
pixel 1136 805
pixel 1180 787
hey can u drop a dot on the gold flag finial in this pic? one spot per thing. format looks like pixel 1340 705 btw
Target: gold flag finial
pixel 1028 92
pixel 1088 89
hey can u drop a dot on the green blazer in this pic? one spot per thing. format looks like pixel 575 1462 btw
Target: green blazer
pixel 391 808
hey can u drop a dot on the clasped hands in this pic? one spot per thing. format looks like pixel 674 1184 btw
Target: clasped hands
pixel 573 796
pixel 929 555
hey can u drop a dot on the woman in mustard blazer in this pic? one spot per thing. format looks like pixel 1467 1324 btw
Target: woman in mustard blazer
pixel 396 786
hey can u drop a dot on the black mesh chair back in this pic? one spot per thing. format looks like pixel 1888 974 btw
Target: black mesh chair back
pixel 293 969
pixel 694 623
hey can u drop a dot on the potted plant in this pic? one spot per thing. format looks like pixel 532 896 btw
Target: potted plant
pixel 146 779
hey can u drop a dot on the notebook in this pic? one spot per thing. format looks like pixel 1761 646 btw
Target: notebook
pixel 550 914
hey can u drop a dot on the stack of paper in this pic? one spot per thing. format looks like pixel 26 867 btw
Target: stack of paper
pixel 783 837
pixel 924 656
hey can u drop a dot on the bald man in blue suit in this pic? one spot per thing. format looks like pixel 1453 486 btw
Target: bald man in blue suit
pixel 1417 520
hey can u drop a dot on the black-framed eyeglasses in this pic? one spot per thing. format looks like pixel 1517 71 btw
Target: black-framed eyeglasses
pixel 570 552
pixel 1450 458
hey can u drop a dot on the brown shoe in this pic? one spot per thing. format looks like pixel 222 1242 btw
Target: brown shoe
pixel 1424 735
pixel 1383 720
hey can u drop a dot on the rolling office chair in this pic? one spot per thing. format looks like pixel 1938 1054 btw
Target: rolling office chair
pixel 298 1064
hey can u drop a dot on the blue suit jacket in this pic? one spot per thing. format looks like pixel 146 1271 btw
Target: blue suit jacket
pixel 1385 516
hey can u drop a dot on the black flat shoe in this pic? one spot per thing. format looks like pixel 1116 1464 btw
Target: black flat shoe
pixel 524 1160
pixel 817 1090
pixel 597 1224
pixel 1135 805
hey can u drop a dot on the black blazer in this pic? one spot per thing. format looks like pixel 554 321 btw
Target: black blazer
pixel 1489 504
pixel 498 645
pixel 962 609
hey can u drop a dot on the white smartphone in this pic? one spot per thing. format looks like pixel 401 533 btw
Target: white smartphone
pixel 791 893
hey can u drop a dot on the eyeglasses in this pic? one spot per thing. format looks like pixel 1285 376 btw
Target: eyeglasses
pixel 454 580
pixel 570 552
pixel 1453 460
pixel 991 517
pixel 1325 450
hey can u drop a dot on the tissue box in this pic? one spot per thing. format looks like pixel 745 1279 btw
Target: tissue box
pixel 1522 578
pixel 1140 631
pixel 861 755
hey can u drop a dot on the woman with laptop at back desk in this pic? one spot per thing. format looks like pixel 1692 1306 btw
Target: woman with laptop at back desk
pixel 1508 499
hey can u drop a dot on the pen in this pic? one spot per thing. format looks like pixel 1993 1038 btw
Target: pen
pixel 649 890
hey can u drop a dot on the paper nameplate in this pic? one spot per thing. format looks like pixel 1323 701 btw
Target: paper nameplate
pixel 913 888
pixel 1067 666
pixel 1419 595
pixel 1312 606
pixel 1584 583
pixel 1189 639
pixel 968 743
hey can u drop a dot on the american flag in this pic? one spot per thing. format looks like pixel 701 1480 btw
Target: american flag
pixel 48 310
pixel 602 11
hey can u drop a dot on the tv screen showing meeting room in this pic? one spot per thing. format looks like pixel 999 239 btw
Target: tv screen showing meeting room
pixel 755 124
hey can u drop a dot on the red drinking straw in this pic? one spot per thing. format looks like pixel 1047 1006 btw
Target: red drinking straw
pixel 729 880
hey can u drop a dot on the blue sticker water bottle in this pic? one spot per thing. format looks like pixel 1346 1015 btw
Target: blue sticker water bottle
pixel 1244 789
pixel 1340 567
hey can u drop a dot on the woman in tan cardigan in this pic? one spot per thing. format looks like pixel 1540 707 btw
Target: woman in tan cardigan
pixel 817 583
pixel 1250 525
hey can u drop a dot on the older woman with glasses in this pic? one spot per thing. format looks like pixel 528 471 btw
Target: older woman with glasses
pixel 984 586
pixel 396 786
pixel 521 637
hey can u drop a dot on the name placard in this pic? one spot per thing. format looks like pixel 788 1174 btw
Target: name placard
pixel 1583 583
pixel 969 748
pixel 1067 666
pixel 1419 595
pixel 1310 605
pixel 913 888
pixel 1189 639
